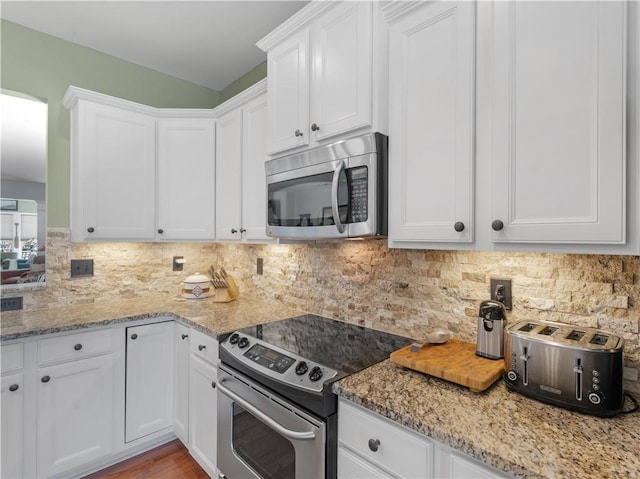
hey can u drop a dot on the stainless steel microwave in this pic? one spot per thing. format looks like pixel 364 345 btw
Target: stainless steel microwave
pixel 334 191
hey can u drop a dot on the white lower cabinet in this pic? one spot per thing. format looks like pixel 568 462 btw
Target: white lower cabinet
pixel 181 338
pixel 149 383
pixel 12 397
pixel 75 414
pixel 203 413
pixel 372 446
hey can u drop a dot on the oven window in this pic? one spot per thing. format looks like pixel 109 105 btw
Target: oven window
pixel 306 201
pixel 269 454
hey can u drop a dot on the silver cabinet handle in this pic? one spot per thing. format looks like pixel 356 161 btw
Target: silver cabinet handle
pixel 263 417
pixel 334 196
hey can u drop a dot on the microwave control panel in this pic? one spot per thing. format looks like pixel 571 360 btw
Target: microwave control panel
pixel 359 188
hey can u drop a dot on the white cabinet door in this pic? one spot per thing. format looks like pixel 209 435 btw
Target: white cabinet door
pixel 203 414
pixel 181 338
pixel 558 121
pixel 228 186
pixel 75 414
pixel 254 184
pixel 149 383
pixel 186 178
pixel 431 102
pixel 12 397
pixel 341 87
pixel 288 91
pixel 113 174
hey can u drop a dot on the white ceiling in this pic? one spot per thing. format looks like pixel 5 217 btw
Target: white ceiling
pixel 209 43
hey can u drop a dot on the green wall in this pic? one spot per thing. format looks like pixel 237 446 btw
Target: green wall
pixel 244 82
pixel 44 66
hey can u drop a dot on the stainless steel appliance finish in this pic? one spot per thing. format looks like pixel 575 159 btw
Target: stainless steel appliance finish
pixel 335 191
pixel 492 319
pixel 261 435
pixel 573 367
pixel 274 393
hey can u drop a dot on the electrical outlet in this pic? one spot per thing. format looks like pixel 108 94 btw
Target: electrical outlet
pixel 11 304
pixel 81 267
pixel 259 266
pixel 178 265
pixel 501 291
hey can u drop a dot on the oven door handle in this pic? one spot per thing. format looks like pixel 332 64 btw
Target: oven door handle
pixel 334 196
pixel 263 417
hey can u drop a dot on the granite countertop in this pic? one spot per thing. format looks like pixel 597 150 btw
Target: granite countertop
pixel 501 428
pixel 203 314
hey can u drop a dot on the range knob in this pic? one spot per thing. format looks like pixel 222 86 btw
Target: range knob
pixel 315 374
pixel 234 338
pixel 302 368
pixel 243 343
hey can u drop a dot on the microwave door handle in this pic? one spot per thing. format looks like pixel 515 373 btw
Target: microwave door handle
pixel 334 196
pixel 295 435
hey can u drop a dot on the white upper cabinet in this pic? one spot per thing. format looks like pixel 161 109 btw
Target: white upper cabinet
pixel 513 126
pixel 288 91
pixel 431 122
pixel 186 178
pixel 558 122
pixel 229 168
pixel 113 173
pixel 240 155
pixel 139 173
pixel 342 68
pixel 254 182
pixel 326 74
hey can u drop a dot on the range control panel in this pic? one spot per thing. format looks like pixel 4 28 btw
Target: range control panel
pixel 277 363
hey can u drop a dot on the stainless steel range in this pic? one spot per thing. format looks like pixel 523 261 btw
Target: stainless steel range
pixel 277 415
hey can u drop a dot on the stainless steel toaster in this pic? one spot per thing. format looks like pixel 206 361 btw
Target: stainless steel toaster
pixel 568 366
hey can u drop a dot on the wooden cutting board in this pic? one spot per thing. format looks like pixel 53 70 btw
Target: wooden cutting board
pixel 454 361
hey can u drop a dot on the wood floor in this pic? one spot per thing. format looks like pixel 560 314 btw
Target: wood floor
pixel 169 461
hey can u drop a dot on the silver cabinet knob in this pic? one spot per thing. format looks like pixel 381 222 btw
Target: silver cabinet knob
pixel 459 226
pixel 497 225
pixel 315 127
pixel 298 133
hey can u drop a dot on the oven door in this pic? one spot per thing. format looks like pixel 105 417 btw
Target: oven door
pixel 260 435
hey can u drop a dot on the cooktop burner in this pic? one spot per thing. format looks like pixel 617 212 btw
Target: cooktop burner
pixel 345 347
pixel 300 357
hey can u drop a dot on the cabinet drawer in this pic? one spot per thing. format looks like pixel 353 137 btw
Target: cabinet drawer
pixel 11 355
pixel 204 346
pixel 75 346
pixel 401 451
pixel 353 467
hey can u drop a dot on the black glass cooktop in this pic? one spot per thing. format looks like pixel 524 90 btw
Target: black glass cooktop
pixel 345 347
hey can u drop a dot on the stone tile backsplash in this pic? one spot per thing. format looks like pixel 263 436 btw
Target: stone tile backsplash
pixel 364 282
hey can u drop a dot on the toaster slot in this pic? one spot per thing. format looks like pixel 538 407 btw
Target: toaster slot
pixel 599 339
pixel 548 330
pixel 577 369
pixel 575 335
pixel 525 366
pixel 527 327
